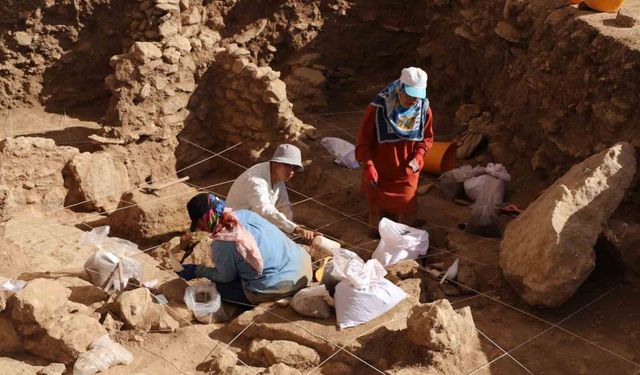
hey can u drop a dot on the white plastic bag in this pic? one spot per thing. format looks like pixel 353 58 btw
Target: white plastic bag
pixel 487 180
pixel 13 286
pixel 364 294
pixel 450 183
pixel 111 251
pixel 483 220
pixel 314 302
pixel 355 306
pixel 399 242
pixel 104 353
pixel 342 151
pixel 205 303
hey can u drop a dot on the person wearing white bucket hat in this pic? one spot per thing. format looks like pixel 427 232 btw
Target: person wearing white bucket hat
pixel 394 136
pixel 262 189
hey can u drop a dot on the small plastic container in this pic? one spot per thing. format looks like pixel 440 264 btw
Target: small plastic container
pixel 326 245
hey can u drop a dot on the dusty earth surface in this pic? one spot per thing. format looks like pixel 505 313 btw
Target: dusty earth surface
pixel 166 87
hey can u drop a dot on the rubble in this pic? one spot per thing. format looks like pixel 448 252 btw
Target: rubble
pixel 547 252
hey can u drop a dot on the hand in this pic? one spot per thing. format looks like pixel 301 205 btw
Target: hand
pixel 371 173
pixel 414 165
pixel 189 272
pixel 304 233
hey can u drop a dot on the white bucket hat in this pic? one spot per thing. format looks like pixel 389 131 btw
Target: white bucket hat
pixel 288 154
pixel 415 82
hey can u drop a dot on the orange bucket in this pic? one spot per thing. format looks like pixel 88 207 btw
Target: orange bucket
pixel 610 6
pixel 441 158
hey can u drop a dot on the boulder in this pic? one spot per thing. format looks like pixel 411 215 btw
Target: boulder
pixel 180 43
pixel 145 52
pixel 23 39
pixel 39 301
pixel 82 291
pixel 438 327
pixel 144 217
pixel 547 252
pixel 97 180
pixel 137 310
pixel 9 340
pixel 281 351
pixel 63 339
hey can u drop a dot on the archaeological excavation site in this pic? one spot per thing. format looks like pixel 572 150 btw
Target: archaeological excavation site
pixel 319 187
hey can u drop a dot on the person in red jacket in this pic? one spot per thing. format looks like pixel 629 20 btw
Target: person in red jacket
pixel 393 138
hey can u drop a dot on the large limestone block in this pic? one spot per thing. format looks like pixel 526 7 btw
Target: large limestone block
pixel 138 311
pixel 98 180
pixel 39 301
pixel 547 252
pixel 282 351
pixel 144 217
pixel 32 170
pixel 145 52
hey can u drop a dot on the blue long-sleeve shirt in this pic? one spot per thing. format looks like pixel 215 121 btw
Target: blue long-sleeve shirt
pixel 287 266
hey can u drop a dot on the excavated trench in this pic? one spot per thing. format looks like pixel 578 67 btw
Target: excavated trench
pixel 544 84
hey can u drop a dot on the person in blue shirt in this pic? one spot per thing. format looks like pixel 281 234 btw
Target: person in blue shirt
pixel 254 260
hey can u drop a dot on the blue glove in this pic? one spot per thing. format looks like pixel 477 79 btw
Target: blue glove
pixel 189 272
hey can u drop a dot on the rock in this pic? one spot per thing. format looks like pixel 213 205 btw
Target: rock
pixel 62 340
pixel 145 52
pixel 39 301
pixel 83 291
pixel 625 239
pixel 111 325
pixel 276 92
pixel 406 269
pixel 168 29
pixel 97 180
pixel 53 369
pixel 466 112
pixel 438 327
pixel 547 251
pixel 194 17
pixel 147 217
pixel 507 32
pixel 252 31
pixel 23 39
pixel 165 7
pixel 4 300
pixel 180 43
pixel 281 351
pixel 174 103
pixel 174 289
pixel 626 18
pixel 412 287
pixel 9 340
pixel 223 361
pixel 281 369
pixel 172 55
pixel 145 91
pixel 137 310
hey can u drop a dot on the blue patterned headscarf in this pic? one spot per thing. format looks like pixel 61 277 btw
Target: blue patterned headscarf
pixel 395 123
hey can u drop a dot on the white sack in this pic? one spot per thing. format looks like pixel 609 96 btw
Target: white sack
pixel 399 242
pixel 342 151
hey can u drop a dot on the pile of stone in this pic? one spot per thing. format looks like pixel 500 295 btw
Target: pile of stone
pixel 307 82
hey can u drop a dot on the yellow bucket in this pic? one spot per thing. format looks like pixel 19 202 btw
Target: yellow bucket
pixel 610 6
pixel 441 158
pixel 320 271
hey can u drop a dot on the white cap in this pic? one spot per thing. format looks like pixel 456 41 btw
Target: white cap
pixel 415 82
pixel 288 154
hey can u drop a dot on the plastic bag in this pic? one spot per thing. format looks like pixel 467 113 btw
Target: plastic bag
pixel 110 251
pixel 205 303
pixel 342 151
pixel 104 353
pixel 355 306
pixel 314 302
pixel 13 286
pixel 450 183
pixel 399 242
pixel 484 220
pixel 364 293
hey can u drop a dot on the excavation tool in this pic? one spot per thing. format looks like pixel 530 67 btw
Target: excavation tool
pixel 154 189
